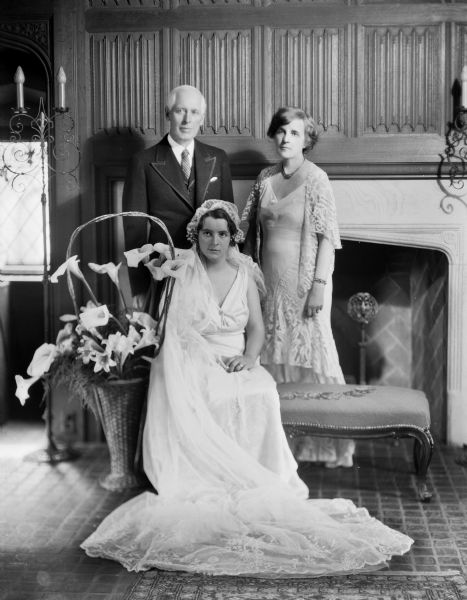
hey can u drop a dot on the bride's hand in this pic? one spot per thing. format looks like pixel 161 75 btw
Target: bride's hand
pixel 241 362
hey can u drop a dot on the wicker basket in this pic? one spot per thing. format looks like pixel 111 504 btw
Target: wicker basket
pixel 120 404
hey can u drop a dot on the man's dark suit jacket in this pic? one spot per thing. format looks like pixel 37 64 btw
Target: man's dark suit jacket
pixel 155 185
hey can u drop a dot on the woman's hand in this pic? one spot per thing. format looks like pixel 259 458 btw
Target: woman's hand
pixel 241 362
pixel 314 301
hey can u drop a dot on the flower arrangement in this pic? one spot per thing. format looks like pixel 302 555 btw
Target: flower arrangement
pixel 96 345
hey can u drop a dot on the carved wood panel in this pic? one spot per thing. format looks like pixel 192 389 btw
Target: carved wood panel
pixel 307 70
pixel 402 85
pixel 125 78
pixel 219 63
pixel 377 81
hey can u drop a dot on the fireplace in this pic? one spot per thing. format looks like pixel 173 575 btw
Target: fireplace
pixel 419 214
pixel 407 340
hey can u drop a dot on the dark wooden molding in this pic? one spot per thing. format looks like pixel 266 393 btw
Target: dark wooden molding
pixel 225 15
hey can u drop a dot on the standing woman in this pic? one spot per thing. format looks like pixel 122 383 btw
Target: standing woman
pixel 291 231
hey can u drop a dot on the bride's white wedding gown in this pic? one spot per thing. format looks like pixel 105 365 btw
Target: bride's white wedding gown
pixel 229 498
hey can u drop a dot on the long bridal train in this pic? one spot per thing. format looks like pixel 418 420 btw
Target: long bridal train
pixel 229 498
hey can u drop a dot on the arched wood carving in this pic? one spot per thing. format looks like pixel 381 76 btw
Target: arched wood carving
pixel 402 90
pixel 308 70
pixel 125 81
pixel 220 65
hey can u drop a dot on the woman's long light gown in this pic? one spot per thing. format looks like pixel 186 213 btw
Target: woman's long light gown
pixel 229 498
pixel 297 349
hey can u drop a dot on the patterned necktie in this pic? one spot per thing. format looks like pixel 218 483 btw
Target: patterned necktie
pixel 186 167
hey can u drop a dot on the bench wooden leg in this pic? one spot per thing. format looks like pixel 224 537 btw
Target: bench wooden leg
pixel 422 453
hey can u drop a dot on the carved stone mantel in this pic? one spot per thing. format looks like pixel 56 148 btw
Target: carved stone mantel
pixel 413 213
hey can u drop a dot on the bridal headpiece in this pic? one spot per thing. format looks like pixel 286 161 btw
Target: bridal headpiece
pixel 208 206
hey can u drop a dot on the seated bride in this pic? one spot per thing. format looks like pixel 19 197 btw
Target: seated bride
pixel 229 499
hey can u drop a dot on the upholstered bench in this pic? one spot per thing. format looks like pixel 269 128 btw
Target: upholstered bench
pixel 359 412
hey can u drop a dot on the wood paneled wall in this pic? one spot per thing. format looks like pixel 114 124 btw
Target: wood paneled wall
pixel 379 78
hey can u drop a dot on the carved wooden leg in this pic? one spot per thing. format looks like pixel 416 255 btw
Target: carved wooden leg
pixel 422 453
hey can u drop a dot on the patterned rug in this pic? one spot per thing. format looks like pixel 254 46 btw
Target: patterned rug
pixel 156 585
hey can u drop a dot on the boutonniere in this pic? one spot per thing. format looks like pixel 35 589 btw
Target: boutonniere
pixel 213 179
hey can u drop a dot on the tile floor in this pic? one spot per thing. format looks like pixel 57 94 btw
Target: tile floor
pixel 46 511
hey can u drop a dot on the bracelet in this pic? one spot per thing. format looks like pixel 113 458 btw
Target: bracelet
pixel 318 280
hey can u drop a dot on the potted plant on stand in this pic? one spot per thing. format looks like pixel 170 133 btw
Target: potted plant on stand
pixel 104 355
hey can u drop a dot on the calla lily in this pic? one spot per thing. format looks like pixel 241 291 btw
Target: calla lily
pixel 22 387
pixel 175 268
pixel 135 256
pixel 110 268
pixel 155 269
pixel 69 265
pixel 143 319
pixel 95 317
pixel 163 250
pixel 42 359
pixel 68 318
pixel 89 304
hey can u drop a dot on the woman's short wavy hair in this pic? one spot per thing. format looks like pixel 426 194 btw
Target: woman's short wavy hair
pixel 285 115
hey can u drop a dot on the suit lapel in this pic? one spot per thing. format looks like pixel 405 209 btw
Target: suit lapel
pixel 204 167
pixel 166 165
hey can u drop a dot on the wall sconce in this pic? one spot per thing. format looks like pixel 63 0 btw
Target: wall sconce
pixel 57 148
pixel 455 153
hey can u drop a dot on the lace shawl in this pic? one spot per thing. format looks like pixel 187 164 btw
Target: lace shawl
pixel 319 218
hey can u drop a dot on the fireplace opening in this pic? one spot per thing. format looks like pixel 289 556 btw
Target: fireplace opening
pixel 407 339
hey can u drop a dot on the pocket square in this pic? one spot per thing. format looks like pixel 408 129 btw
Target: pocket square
pixel 212 179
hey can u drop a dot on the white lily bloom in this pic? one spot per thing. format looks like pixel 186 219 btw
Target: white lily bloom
pixel 109 268
pixel 133 335
pixel 22 387
pixel 65 338
pixel 120 345
pixel 103 362
pixel 95 317
pixel 69 265
pixel 136 255
pixel 42 359
pixel 143 319
pixel 148 338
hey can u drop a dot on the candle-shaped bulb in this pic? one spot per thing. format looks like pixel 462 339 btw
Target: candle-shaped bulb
pixel 19 79
pixel 464 86
pixel 61 79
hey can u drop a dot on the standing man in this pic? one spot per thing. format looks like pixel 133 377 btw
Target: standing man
pixel 171 179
